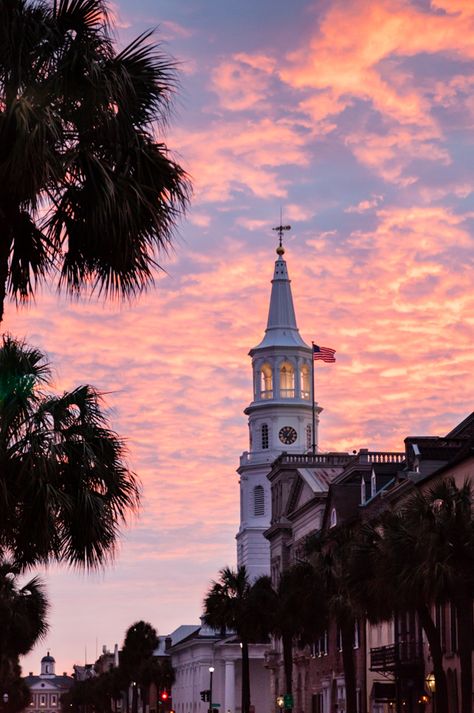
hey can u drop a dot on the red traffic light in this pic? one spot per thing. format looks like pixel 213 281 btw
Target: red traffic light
pixel 164 696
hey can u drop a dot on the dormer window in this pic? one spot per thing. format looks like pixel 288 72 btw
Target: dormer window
pixel 265 438
pixel 287 381
pixel 266 382
pixel 305 383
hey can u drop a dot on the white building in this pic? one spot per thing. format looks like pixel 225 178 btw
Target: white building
pixel 47 688
pixel 280 419
pixel 204 648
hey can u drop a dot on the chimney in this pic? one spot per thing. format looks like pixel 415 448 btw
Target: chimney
pixel 168 643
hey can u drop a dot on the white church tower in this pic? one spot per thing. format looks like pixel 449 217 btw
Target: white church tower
pixel 280 416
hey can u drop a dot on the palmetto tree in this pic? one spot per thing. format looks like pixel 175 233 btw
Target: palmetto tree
pixel 85 187
pixel 235 605
pixel 23 609
pixel 386 579
pixel 439 545
pixel 330 553
pixel 140 642
pixel 299 613
pixel 65 489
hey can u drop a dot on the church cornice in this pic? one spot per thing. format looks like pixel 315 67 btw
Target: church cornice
pixel 288 403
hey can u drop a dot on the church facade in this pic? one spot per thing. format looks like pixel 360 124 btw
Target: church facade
pixel 47 688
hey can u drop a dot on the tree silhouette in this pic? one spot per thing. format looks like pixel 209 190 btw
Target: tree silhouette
pixel 85 187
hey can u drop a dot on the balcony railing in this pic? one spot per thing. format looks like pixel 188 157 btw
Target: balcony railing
pixel 396 656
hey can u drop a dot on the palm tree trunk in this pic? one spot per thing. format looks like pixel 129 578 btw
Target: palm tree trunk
pixel 432 634
pixel 287 643
pixel 465 623
pixel 245 677
pixel 134 698
pixel 347 633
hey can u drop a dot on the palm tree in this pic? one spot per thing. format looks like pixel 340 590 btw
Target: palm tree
pixel 330 553
pixel 65 489
pixel 439 544
pixel 419 556
pixel 233 604
pixel 23 609
pixel 140 642
pixel 85 187
pixel 299 613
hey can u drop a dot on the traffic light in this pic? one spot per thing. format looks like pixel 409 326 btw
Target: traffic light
pixel 205 695
pixel 164 695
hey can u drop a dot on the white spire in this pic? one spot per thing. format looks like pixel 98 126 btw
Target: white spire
pixel 281 328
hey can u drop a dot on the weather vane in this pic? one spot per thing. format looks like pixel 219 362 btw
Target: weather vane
pixel 280 228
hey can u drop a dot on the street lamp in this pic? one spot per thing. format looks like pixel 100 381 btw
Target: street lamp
pixel 431 682
pixel 5 700
pixel 211 671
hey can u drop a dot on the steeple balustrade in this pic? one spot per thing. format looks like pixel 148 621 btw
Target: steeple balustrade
pixel 385 457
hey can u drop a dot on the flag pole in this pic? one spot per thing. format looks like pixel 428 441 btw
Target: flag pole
pixel 312 394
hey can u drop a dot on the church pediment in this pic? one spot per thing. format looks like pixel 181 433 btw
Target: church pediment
pixel 309 482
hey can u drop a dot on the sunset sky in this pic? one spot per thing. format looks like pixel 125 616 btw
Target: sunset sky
pixel 356 118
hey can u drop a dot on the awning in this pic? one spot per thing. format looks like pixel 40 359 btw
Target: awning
pixel 382 691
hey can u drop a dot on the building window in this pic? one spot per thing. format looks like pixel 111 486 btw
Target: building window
pixel 258 501
pixel 320 646
pixel 42 700
pixel 373 484
pixel 362 491
pixel 309 436
pixel 53 700
pixel 265 439
pixel 287 381
pixel 356 634
pixel 266 382
pixel 333 519
pixel 339 639
pixel 305 385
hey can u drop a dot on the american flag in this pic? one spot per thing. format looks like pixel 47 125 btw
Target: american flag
pixel 324 353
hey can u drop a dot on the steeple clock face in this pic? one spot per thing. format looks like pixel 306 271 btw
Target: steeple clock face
pixel 287 435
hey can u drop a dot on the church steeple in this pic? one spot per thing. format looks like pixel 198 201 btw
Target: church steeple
pixel 279 415
pixel 281 328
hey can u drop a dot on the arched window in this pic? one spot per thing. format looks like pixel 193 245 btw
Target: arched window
pixel 362 491
pixel 305 383
pixel 333 521
pixel 373 484
pixel 266 382
pixel 258 501
pixel 265 440
pixel 287 381
pixel 309 434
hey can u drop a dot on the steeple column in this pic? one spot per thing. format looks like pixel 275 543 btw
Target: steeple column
pixel 276 378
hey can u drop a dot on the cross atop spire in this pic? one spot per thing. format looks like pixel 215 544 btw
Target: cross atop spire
pixel 280 228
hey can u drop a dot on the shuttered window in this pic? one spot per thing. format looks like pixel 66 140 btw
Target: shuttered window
pixel 258 501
